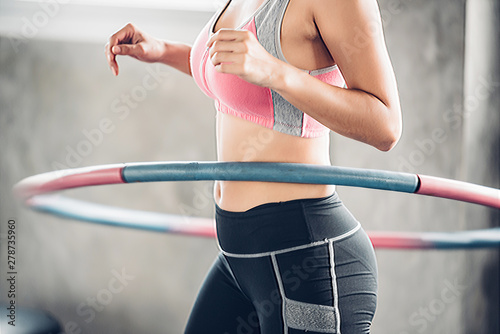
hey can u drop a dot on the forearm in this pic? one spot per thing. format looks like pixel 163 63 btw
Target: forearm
pixel 352 113
pixel 176 55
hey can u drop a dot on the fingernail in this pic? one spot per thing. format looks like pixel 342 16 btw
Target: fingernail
pixel 116 49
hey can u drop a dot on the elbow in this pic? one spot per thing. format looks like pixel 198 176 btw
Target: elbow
pixel 387 144
pixel 390 137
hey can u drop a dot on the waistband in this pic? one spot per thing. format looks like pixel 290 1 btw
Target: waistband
pixel 283 226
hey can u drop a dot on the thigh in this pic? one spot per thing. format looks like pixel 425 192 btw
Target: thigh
pixel 356 276
pixel 221 307
pixel 331 288
pixel 292 292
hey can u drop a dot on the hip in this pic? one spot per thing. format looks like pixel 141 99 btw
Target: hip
pixel 313 252
pixel 281 226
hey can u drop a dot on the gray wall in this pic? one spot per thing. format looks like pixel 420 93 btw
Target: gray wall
pixel 481 156
pixel 53 91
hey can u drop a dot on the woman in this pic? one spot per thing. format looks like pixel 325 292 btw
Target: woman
pixel 293 259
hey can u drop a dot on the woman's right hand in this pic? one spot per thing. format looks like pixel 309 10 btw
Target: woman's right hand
pixel 130 41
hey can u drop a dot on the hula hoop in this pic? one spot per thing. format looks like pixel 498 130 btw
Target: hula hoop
pixel 33 191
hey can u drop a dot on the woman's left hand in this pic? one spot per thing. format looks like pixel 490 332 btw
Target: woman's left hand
pixel 239 52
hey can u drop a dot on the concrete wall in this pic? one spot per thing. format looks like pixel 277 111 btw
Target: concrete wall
pixel 426 44
pixel 54 91
pixel 481 156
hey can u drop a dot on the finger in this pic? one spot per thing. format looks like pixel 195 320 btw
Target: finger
pixel 227 46
pixel 226 57
pixel 110 57
pixel 133 50
pixel 123 35
pixel 226 35
pixel 229 68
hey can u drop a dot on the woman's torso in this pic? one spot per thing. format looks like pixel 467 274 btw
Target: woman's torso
pixel 241 140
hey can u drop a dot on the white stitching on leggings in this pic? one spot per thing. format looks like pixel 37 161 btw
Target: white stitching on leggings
pixel 334 284
pixel 291 249
pixel 282 292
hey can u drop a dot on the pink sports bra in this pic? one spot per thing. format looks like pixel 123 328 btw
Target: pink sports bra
pixel 257 104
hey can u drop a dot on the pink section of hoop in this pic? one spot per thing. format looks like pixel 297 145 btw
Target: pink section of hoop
pixel 397 241
pixel 59 180
pixel 462 191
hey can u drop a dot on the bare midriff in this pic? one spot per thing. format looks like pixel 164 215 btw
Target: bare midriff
pixel 241 140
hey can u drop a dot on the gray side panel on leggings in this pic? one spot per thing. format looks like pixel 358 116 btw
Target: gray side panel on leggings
pixel 310 317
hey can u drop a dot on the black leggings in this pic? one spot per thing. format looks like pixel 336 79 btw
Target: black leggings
pixel 289 267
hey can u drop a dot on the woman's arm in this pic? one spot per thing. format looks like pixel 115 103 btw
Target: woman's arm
pixel 369 111
pixel 130 41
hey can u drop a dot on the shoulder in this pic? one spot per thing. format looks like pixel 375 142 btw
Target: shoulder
pixel 322 4
pixel 346 10
pixel 342 21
